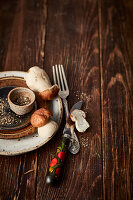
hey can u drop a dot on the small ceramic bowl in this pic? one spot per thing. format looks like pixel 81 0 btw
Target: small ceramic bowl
pixel 21 100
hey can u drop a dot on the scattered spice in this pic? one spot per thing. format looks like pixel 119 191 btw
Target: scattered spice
pixel 82 96
pixel 7 118
pixel 84 141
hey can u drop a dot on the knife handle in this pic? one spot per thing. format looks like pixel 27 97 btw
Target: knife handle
pixel 57 162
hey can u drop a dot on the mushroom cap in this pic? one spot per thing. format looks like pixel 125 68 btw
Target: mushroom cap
pixel 40 117
pixel 50 93
pixel 48 130
pixel 78 116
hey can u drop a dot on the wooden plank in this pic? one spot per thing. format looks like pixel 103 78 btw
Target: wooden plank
pixel 27 37
pixel 7 13
pixel 72 39
pixel 116 98
pixel 23 44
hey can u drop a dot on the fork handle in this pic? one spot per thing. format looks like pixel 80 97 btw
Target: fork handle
pixel 66 108
pixel 57 162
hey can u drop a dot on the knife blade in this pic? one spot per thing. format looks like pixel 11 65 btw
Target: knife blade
pixel 69 123
pixel 74 145
pixel 57 162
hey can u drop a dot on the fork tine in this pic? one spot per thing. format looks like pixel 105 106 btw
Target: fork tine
pixel 54 77
pixel 57 74
pixel 64 77
pixel 62 84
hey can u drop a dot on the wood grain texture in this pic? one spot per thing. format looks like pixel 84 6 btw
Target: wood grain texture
pixel 22 37
pixel 7 13
pixel 116 100
pixel 27 36
pixel 72 39
pixel 94 42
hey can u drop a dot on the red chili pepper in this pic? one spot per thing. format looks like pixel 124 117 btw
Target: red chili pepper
pixel 53 162
pixel 61 155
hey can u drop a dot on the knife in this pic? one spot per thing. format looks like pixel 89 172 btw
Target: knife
pixel 57 162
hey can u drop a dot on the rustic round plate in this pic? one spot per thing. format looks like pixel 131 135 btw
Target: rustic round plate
pixel 25 138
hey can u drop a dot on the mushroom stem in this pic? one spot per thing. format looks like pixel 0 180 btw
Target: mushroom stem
pixel 48 130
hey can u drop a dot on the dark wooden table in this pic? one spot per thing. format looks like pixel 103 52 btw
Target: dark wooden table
pixel 93 39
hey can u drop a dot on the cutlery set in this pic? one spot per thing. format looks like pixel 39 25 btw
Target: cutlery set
pixel 69 139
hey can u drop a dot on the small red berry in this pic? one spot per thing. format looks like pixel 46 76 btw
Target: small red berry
pixel 61 155
pixel 58 170
pixel 53 162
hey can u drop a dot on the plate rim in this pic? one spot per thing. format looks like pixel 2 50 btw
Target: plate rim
pixel 21 74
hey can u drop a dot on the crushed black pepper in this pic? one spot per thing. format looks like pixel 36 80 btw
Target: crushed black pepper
pixel 22 101
pixel 7 118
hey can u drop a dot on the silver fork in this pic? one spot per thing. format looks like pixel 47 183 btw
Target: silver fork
pixel 60 79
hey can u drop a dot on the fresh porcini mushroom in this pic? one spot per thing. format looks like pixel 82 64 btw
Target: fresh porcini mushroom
pixel 38 81
pixel 48 130
pixel 78 116
pixel 40 117
pixel 50 93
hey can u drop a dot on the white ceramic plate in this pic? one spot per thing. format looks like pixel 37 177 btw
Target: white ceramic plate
pixel 33 141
